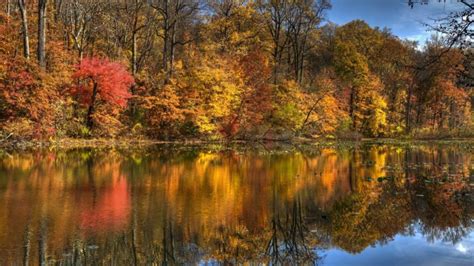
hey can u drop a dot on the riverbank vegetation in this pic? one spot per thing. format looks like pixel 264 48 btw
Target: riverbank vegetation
pixel 224 70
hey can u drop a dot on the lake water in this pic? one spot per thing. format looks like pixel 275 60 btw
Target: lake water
pixel 366 204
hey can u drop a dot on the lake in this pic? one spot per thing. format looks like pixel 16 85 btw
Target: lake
pixel 344 204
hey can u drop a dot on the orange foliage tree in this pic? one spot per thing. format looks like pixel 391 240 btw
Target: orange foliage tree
pixel 29 98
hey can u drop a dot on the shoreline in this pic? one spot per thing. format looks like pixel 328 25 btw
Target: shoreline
pixel 141 143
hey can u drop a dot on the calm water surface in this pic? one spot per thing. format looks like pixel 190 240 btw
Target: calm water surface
pixel 346 205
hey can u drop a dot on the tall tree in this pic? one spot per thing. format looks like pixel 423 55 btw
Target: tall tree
pixel 302 21
pixel 276 14
pixel 81 20
pixel 41 50
pixel 172 14
pixel 129 22
pixel 356 48
pixel 137 25
pixel 24 23
pixel 235 27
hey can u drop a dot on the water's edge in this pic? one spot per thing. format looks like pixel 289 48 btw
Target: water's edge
pixel 12 145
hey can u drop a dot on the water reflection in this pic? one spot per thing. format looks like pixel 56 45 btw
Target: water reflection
pixel 177 205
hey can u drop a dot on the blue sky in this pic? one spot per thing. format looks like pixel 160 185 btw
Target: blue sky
pixel 394 14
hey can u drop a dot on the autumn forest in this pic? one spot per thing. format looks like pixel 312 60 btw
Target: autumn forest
pixel 227 70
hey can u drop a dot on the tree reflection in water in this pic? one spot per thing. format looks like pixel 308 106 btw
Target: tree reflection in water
pixel 191 205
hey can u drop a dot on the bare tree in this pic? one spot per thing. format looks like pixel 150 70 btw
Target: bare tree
pixel 290 24
pixel 81 22
pixel 57 9
pixel 134 18
pixel 137 26
pixel 173 14
pixel 304 16
pixel 457 26
pixel 276 13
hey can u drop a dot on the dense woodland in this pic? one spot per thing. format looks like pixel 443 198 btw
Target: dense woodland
pixel 226 70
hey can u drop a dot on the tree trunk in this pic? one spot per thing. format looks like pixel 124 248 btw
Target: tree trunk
pixel 276 49
pixel 452 123
pixel 408 110
pixel 172 51
pixel 57 9
pixel 276 66
pixel 352 108
pixel 27 245
pixel 42 243
pixel 80 53
pixel 164 59
pixel 134 53
pixel 8 10
pixel 24 23
pixel 165 54
pixel 41 52
pixel 90 112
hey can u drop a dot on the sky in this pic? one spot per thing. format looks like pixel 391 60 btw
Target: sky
pixel 403 21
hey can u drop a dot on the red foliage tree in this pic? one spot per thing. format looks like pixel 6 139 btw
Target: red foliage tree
pixel 99 77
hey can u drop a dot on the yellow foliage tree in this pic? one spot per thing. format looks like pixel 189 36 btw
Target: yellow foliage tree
pixel 216 86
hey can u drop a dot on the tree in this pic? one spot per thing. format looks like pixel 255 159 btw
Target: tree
pixel 24 29
pixel 81 23
pixel 323 112
pixel 235 32
pixel 292 25
pixel 352 68
pixel 439 98
pixel 41 51
pixel 256 103
pixel 172 14
pixel 456 26
pixel 135 8
pixel 127 23
pixel 235 27
pixel 8 9
pixel 276 17
pixel 219 87
pixel 303 18
pixel 357 47
pixel 102 78
pixel 288 113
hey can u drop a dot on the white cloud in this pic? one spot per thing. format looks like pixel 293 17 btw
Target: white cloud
pixel 461 248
